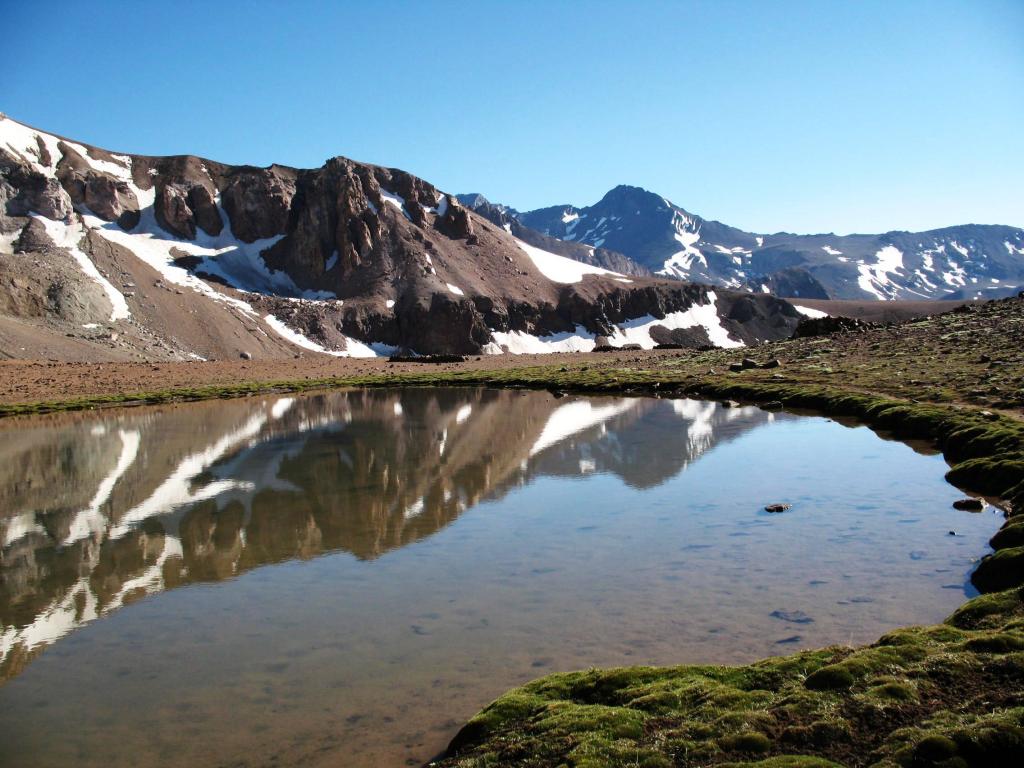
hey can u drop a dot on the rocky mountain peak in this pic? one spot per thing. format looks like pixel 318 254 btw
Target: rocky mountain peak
pixel 182 256
pixel 968 261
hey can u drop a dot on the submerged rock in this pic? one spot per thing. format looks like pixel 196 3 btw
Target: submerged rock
pixel 794 617
pixel 774 508
pixel 969 505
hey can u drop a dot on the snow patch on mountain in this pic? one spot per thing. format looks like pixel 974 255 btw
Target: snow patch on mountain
pixel 69 235
pixel 22 140
pixel 353 347
pixel 560 269
pixel 396 200
pixel 809 312
pixel 638 330
pixel 522 343
pixel 875 278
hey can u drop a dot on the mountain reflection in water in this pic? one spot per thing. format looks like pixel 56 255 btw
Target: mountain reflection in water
pixel 100 510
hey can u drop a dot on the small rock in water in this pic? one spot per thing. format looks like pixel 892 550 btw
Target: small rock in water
pixel 729 404
pixel 969 505
pixel 795 617
pixel 777 507
pixel 773 405
pixel 952 533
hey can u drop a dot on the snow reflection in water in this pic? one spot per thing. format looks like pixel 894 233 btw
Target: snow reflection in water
pixel 580 541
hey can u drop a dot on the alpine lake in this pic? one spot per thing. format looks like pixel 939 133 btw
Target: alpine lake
pixel 344 578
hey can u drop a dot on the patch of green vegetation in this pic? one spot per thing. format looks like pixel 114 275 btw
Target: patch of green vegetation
pixel 1002 570
pixel 935 685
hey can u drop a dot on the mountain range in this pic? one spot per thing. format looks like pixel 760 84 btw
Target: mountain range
pixel 630 224
pixel 124 257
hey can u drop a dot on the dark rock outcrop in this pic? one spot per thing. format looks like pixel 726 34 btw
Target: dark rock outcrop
pixel 456 221
pixel 23 191
pixel 825 326
pixel 105 195
pixel 181 207
pixel 258 202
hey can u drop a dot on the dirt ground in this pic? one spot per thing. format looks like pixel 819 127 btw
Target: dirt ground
pixel 23 381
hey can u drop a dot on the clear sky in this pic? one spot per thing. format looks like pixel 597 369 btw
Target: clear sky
pixel 801 116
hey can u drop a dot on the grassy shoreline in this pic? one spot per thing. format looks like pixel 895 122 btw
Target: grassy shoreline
pixel 951 694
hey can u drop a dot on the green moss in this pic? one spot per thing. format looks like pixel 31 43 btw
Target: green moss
pixel 932 750
pixel 1003 570
pixel 754 742
pixel 563 719
pixel 891 690
pixel 1010 535
pixel 830 678
pixel 1003 642
pixel 987 611
pixel 992 476
pixel 786 761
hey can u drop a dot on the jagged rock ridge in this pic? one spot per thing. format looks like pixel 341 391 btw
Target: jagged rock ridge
pixel 182 257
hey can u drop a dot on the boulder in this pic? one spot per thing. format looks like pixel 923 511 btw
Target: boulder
pixel 825 326
pixel 969 505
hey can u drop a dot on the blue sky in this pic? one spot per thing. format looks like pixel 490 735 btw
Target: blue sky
pixel 799 116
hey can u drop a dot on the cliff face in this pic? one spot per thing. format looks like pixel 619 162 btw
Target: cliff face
pixel 177 257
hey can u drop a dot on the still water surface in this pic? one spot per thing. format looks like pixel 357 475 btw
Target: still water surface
pixel 344 578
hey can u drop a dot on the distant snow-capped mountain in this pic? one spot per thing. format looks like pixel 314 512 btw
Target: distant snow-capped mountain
pixel 968 261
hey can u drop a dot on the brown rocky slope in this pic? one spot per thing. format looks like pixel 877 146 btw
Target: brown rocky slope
pixel 119 257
